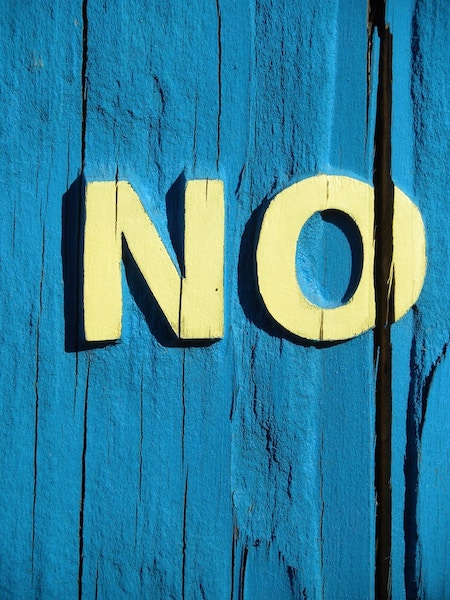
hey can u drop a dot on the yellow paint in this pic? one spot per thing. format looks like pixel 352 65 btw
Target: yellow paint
pixel 276 257
pixel 102 290
pixel 202 287
pixel 193 305
pixel 409 256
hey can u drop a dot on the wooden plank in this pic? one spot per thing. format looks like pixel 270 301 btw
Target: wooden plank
pixel 41 384
pixel 243 467
pixel 420 140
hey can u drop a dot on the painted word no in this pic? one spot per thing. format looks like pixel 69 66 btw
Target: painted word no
pixel 193 303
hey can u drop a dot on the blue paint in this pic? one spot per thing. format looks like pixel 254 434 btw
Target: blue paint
pixel 329 258
pixel 420 140
pixel 245 468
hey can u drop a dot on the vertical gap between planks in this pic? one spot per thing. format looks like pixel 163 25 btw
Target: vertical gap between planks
pixel 233 557
pixel 83 490
pixel 183 566
pixel 384 299
pixel 242 571
pixel 219 78
pixel 84 94
pixel 84 12
pixel 84 62
pixel 36 407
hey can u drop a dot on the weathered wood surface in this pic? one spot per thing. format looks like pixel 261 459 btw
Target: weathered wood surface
pixel 244 468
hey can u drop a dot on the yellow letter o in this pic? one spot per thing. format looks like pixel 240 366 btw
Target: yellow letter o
pixel 277 247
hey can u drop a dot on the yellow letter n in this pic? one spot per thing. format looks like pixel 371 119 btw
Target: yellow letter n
pixel 193 304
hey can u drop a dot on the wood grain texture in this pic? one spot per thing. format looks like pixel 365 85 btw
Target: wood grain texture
pixel 243 469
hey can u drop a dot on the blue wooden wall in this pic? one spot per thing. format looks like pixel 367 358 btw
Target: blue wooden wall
pixel 242 469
